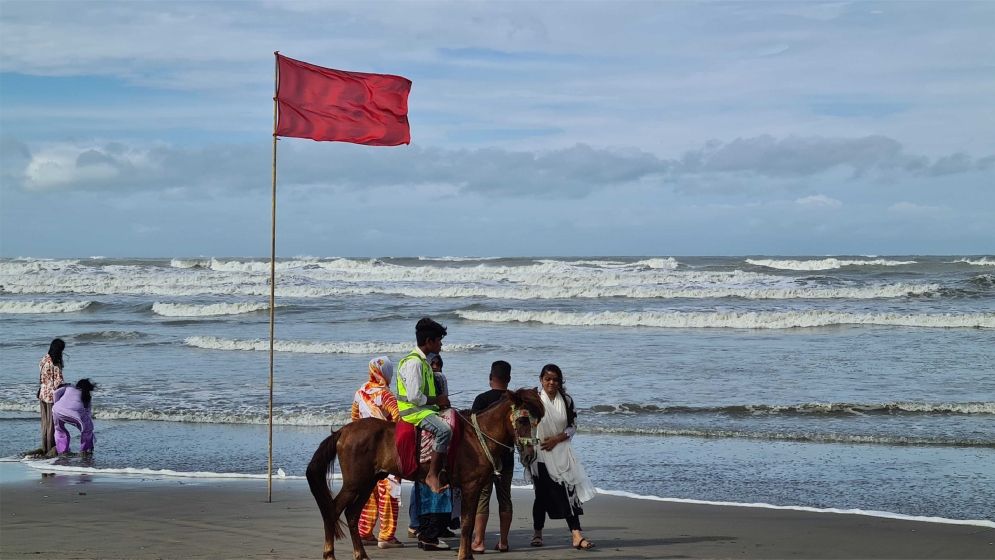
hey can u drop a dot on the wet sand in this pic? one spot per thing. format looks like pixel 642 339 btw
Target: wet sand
pixel 69 515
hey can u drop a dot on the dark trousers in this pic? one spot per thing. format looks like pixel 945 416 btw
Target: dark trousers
pixel 47 427
pixel 539 518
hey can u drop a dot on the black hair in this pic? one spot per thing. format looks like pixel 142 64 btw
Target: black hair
pixel 501 370
pixel 436 358
pixel 55 351
pixel 426 329
pixel 553 368
pixel 86 386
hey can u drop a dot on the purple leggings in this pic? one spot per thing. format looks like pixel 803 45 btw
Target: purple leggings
pixel 83 422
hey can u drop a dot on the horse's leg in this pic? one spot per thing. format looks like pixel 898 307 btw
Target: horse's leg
pixel 354 498
pixel 316 472
pixel 468 513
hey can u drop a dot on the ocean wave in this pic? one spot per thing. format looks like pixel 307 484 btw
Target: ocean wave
pixel 594 291
pixel 549 279
pixel 283 418
pixel 105 336
pixel 805 409
pixel 983 281
pixel 866 512
pixel 340 418
pixel 191 310
pixel 54 465
pixel 728 320
pixel 814 437
pixel 313 347
pixel 983 261
pixel 190 263
pixel 823 264
pixel 459 259
pixel 25 307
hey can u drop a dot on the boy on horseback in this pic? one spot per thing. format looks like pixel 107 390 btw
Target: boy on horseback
pixel 418 400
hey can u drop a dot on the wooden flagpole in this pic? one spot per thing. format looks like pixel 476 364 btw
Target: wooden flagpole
pixel 272 284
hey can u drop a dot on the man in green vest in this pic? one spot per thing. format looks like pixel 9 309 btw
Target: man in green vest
pixel 417 397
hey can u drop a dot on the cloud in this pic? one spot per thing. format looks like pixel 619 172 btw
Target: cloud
pixel 799 157
pixel 818 201
pixel 912 209
pixel 571 172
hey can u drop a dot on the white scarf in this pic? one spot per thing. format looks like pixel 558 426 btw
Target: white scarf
pixel 561 462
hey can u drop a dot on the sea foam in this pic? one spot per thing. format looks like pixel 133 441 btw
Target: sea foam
pixel 983 261
pixel 823 264
pixel 870 513
pixel 191 310
pixel 548 279
pixel 23 307
pixel 312 347
pixel 198 416
pixel 730 320
pixel 805 409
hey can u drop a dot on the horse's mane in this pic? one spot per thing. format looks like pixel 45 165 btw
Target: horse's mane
pixel 529 397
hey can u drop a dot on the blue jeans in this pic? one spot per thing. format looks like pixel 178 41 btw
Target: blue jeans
pixel 443 433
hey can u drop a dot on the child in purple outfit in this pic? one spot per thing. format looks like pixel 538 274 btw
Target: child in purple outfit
pixel 72 406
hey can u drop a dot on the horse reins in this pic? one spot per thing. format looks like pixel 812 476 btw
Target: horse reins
pixel 516 413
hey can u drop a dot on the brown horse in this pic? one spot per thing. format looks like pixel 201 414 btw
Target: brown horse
pixel 367 454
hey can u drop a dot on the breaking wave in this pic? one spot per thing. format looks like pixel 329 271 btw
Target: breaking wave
pixel 546 279
pixel 191 310
pixel 23 307
pixel 795 436
pixel 823 264
pixel 284 418
pixel 806 409
pixel 106 336
pixel 313 347
pixel 54 465
pixel 983 261
pixel 731 320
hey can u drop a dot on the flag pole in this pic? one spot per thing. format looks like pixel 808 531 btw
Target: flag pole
pixel 272 283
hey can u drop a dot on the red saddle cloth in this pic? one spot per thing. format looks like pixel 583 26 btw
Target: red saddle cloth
pixel 404 439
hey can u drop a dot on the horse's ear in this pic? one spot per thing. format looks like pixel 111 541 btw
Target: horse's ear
pixel 513 397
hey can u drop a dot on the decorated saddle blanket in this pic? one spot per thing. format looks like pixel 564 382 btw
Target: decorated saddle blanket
pixel 411 455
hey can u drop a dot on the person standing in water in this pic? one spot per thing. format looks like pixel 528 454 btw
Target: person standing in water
pixel 49 379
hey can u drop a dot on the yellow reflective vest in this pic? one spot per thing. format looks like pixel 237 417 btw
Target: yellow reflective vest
pixel 410 412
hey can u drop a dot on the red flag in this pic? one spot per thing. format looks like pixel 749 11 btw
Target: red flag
pixel 338 106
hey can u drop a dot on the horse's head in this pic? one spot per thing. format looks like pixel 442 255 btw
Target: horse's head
pixel 527 411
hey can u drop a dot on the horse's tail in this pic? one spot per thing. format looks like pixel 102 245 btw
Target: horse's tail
pixel 317 470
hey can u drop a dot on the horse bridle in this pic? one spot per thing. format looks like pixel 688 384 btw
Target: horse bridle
pixel 520 442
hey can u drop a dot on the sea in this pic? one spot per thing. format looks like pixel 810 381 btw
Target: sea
pixel 861 382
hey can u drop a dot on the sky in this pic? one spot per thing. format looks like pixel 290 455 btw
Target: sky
pixel 144 129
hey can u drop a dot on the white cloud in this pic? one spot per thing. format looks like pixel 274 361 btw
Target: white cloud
pixel 818 201
pixel 58 166
pixel 913 209
pixel 686 115
pixel 720 168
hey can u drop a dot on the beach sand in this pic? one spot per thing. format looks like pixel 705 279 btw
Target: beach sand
pixel 71 515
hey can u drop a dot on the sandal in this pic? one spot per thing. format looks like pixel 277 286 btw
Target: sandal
pixel 536 541
pixel 584 544
pixel 478 550
pixel 499 548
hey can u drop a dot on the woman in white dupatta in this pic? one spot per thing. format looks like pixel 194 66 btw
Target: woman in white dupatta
pixel 561 485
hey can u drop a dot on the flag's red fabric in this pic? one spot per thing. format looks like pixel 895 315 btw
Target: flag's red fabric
pixel 334 105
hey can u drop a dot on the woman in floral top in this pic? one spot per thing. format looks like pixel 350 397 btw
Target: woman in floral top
pixel 49 379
